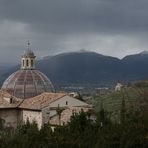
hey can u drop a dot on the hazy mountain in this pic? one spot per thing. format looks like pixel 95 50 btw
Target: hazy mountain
pixel 5 70
pixel 135 66
pixel 80 67
pixel 91 68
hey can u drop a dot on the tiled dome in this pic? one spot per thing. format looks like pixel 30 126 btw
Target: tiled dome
pixel 27 83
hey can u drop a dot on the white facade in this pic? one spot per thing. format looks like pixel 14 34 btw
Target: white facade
pixel 64 102
pixel 118 87
pixel 67 101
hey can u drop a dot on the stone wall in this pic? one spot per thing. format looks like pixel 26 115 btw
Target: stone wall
pixel 46 114
pixel 32 116
pixel 11 117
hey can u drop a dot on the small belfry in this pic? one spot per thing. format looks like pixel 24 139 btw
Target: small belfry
pixel 28 59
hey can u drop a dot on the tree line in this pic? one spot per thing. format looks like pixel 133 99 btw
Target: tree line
pixel 131 131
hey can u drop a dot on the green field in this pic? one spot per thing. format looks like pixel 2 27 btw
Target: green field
pixel 112 101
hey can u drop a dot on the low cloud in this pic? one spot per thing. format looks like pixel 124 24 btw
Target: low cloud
pixel 112 27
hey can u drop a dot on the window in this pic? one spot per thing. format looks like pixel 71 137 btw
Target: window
pixel 27 63
pixel 31 63
pixel 11 101
pixel 23 63
pixel 66 102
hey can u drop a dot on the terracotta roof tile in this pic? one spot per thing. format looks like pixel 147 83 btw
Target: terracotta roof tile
pixel 40 101
pixel 5 102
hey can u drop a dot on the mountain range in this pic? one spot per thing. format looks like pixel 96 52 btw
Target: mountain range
pixel 89 68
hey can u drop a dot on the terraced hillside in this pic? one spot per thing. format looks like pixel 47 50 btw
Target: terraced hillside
pixel 112 101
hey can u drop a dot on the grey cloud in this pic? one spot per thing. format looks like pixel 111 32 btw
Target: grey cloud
pixel 82 15
pixel 115 27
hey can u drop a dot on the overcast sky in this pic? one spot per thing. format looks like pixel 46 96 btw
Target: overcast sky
pixel 110 27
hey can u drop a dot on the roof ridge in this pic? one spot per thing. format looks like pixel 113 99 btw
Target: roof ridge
pixel 55 99
pixel 58 98
pixel 20 103
pixel 41 101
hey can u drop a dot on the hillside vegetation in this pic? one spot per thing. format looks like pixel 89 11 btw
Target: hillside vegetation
pixel 81 132
pixel 131 96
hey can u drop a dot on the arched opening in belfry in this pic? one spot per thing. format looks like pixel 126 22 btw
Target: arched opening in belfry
pixel 31 63
pixel 23 63
pixel 27 62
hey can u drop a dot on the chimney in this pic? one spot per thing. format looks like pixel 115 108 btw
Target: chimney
pixel 8 99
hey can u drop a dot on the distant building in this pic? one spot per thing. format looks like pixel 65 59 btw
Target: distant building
pixel 118 86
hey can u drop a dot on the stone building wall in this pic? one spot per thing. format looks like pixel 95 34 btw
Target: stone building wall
pixel 32 116
pixel 11 117
pixel 46 114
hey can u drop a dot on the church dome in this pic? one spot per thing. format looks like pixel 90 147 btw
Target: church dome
pixel 27 83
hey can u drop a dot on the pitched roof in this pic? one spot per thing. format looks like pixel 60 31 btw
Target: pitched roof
pixel 35 103
pixel 5 100
pixel 40 101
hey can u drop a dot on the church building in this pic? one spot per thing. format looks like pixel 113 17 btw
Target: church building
pixel 28 94
pixel 28 81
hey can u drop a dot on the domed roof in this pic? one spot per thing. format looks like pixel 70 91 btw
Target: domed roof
pixel 29 53
pixel 27 83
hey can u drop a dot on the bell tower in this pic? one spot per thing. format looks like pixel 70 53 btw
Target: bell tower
pixel 28 59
